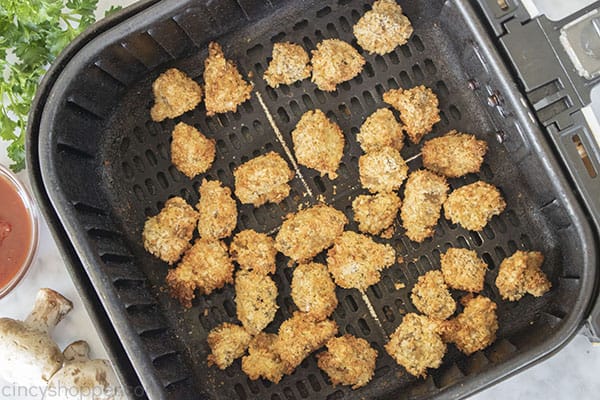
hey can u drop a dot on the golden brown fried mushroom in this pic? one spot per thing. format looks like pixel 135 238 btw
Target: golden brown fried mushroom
pixel 168 234
pixel 225 88
pixel 254 251
pixel 463 269
pixel 318 143
pixel 380 130
pixel 356 261
pixel 174 94
pixel 227 342
pixel 348 361
pixel 217 210
pixel 382 170
pixel 206 266
pixel 313 290
pixel 473 206
pixel 454 154
pixel 335 61
pixel 262 360
pixel 416 345
pixel 192 153
pixel 255 300
pixel 418 110
pixel 424 194
pixel 375 213
pixel 431 296
pixel 290 63
pixel 263 179
pixel 383 28
pixel 521 273
pixel 308 232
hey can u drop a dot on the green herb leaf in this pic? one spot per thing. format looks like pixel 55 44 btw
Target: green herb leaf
pixel 112 10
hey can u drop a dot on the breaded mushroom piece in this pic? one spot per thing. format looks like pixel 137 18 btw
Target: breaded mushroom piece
pixel 424 194
pixel 418 110
pixel 227 342
pixel 263 179
pixel 356 261
pixel 192 153
pixel 431 296
pixel 254 251
pixel 383 28
pixel 463 269
pixel 380 130
pixel 475 328
pixel 473 206
pixel 382 170
pixel 255 300
pixel 313 290
pixel 377 212
pixel 225 88
pixel 416 345
pixel 174 94
pixel 306 233
pixel 348 361
pixel 299 336
pixel 290 63
pixel 521 273
pixel 168 234
pixel 206 266
pixel 262 360
pixel 335 61
pixel 318 143
pixel 217 210
pixel 454 154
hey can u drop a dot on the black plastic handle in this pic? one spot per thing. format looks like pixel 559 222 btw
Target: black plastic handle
pixel 544 56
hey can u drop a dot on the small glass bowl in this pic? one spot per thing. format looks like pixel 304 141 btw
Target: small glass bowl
pixel 31 211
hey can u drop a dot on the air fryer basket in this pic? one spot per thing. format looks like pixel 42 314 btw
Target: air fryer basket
pixel 106 167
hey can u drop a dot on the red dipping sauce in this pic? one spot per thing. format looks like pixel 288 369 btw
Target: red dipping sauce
pixel 18 231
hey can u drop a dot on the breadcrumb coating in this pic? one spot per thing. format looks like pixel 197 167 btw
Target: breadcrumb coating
pixel 254 251
pixel 206 266
pixel 192 153
pixel 290 63
pixel 375 213
pixel 431 296
pixel 168 234
pixel 174 94
pixel 227 342
pixel 318 143
pixel 463 269
pixel 356 261
pixel 418 110
pixel 225 88
pixel 424 194
pixel 348 361
pixel 473 206
pixel 263 179
pixel 383 28
pixel 335 61
pixel 475 328
pixel 416 345
pixel 313 290
pixel 255 300
pixel 454 154
pixel 382 170
pixel 380 130
pixel 262 360
pixel 299 336
pixel 520 274
pixel 306 233
pixel 217 210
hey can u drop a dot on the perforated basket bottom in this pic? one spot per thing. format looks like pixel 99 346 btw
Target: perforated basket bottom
pixel 139 178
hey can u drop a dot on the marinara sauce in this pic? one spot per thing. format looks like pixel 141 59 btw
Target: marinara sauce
pixel 15 232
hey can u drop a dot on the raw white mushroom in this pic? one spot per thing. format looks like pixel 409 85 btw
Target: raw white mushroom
pixel 28 355
pixel 81 378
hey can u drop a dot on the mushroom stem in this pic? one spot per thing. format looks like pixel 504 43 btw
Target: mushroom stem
pixel 49 309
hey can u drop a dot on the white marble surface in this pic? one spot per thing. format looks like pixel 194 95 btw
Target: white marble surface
pixel 571 373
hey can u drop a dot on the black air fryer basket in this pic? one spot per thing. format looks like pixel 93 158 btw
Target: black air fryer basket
pixel 100 167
